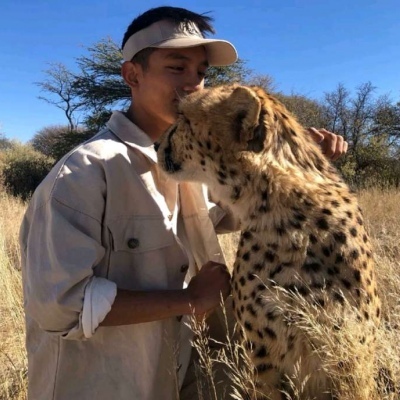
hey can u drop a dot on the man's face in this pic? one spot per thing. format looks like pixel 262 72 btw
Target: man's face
pixel 171 74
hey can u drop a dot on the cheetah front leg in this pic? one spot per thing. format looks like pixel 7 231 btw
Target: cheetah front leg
pixel 268 383
pixel 267 378
pixel 264 378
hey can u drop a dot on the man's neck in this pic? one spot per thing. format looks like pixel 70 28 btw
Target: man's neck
pixel 151 126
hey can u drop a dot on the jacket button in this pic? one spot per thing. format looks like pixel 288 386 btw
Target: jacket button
pixel 133 243
pixel 184 268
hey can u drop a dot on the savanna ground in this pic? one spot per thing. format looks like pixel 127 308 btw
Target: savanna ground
pixel 382 212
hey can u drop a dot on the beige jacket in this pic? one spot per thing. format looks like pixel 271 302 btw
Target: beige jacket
pixel 106 211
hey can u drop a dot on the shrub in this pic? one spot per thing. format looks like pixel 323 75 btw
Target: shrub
pixel 22 170
pixel 57 140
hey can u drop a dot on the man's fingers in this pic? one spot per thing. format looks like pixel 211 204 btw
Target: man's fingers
pixel 339 148
pixel 332 145
pixel 215 265
pixel 316 135
pixel 329 144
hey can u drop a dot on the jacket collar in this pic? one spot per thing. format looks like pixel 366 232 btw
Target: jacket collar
pixel 131 135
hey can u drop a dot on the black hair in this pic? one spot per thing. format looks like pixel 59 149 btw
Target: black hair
pixel 175 14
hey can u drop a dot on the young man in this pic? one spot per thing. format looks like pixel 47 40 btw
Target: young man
pixel 108 241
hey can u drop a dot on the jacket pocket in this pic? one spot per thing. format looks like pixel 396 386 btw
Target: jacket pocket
pixel 140 233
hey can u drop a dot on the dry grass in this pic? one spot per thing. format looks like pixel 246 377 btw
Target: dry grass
pixel 382 212
pixel 12 338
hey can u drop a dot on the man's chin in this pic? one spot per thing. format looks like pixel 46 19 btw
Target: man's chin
pixel 172 117
pixel 167 123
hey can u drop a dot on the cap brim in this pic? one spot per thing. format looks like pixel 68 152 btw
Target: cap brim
pixel 219 52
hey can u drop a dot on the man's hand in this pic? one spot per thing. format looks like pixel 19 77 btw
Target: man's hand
pixel 332 145
pixel 206 288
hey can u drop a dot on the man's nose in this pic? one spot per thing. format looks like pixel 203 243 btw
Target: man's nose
pixel 193 84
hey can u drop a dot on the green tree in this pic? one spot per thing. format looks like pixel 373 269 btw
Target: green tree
pixel 99 83
pixel 309 112
pixel 351 116
pixel 97 120
pixel 264 81
pixel 61 92
pixel 371 125
pixel 387 123
pixel 336 109
pixel 235 73
pixel 375 166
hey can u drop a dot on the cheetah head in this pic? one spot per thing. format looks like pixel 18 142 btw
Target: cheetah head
pixel 215 128
pixel 227 136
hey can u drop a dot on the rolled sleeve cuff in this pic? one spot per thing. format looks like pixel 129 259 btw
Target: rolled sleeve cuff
pixel 99 296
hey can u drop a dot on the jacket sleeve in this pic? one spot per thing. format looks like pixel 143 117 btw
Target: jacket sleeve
pixel 61 246
pixel 100 294
pixel 61 243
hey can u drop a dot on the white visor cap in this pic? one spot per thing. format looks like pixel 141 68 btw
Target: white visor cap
pixel 166 34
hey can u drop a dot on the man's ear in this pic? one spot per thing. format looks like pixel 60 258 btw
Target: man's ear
pixel 130 72
pixel 248 127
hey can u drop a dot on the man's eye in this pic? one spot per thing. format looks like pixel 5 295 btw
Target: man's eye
pixel 178 69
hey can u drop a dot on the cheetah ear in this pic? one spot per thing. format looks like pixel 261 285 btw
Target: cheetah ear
pixel 247 128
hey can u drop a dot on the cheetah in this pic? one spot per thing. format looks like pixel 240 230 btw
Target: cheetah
pixel 303 251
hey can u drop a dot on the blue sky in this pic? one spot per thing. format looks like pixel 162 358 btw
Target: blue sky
pixel 307 46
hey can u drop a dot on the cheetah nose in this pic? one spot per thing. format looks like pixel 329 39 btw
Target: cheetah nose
pixel 156 146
